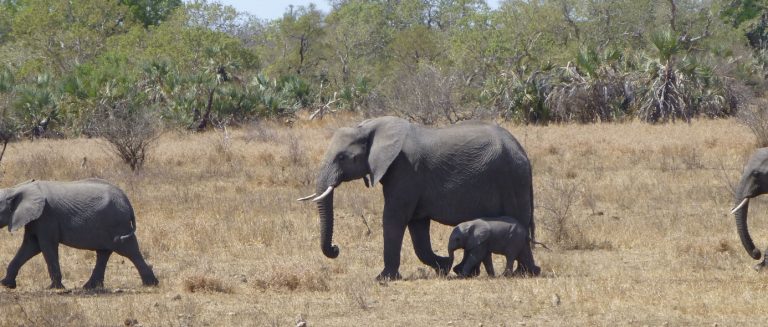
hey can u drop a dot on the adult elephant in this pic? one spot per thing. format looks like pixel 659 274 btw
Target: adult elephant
pixel 754 182
pixel 449 175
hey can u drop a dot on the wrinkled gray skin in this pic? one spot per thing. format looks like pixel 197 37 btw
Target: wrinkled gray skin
pixel 754 182
pixel 88 214
pixel 500 235
pixel 449 175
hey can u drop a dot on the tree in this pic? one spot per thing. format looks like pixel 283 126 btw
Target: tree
pixel 360 34
pixel 59 35
pixel 151 12
pixel 294 43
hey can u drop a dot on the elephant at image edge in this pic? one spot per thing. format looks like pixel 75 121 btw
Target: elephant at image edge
pixel 449 175
pixel 88 214
pixel 754 182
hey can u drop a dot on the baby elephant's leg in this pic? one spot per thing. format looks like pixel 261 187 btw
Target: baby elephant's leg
pixel 458 269
pixel 488 263
pixel 509 268
pixel 525 263
pixel 472 259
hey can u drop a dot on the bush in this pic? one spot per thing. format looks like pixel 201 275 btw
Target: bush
pixel 426 96
pixel 294 277
pixel 601 94
pixel 518 95
pixel 199 283
pixel 755 117
pixel 129 129
pixel 5 136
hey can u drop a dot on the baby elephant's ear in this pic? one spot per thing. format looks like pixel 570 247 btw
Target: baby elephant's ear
pixel 27 203
pixel 479 234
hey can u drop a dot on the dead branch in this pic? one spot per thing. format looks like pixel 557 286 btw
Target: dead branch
pixel 324 109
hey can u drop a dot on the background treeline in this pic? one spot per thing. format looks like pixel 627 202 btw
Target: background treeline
pixel 70 66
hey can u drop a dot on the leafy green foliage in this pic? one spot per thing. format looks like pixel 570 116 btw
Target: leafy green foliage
pixel 593 90
pixel 200 64
pixel 151 12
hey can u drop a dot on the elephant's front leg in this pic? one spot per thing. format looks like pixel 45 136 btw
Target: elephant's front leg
pixel 458 269
pixel 419 230
pixel 394 229
pixel 29 248
pixel 50 249
pixel 472 259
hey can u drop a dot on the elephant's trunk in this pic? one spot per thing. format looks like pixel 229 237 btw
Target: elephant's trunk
pixel 327 179
pixel 741 227
pixel 453 242
pixel 452 247
pixel 325 208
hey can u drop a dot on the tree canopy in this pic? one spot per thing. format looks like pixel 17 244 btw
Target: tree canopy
pixel 199 63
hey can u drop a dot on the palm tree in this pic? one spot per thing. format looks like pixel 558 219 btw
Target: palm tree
pixel 664 95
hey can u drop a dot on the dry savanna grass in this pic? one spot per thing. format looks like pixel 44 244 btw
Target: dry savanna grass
pixel 635 216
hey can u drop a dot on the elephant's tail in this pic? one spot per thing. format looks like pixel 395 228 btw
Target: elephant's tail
pixel 533 223
pixel 122 238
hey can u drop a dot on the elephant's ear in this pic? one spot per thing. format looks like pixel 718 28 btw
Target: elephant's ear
pixel 386 137
pixel 27 203
pixel 478 235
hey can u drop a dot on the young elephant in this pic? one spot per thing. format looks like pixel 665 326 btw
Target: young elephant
pixel 89 214
pixel 501 235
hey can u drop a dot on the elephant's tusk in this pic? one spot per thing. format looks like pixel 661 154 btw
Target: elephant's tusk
pixel 743 203
pixel 307 197
pixel 322 196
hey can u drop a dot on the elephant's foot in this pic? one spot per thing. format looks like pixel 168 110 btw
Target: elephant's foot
pixel 8 283
pixel 150 280
pixel 760 267
pixel 471 274
pixel 388 275
pixel 56 285
pixel 524 272
pixel 93 284
pixel 459 270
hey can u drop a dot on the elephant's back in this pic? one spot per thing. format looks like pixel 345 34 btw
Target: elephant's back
pixel 472 170
pixel 90 204
pixel 493 136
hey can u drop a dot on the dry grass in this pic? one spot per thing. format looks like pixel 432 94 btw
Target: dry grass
pixel 646 238
pixel 202 283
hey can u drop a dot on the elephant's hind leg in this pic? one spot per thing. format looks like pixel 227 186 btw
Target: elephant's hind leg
pixel 29 248
pixel 97 276
pixel 419 230
pixel 130 250
pixel 488 263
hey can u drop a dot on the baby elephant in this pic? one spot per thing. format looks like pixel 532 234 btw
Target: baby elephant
pixel 89 214
pixel 501 235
